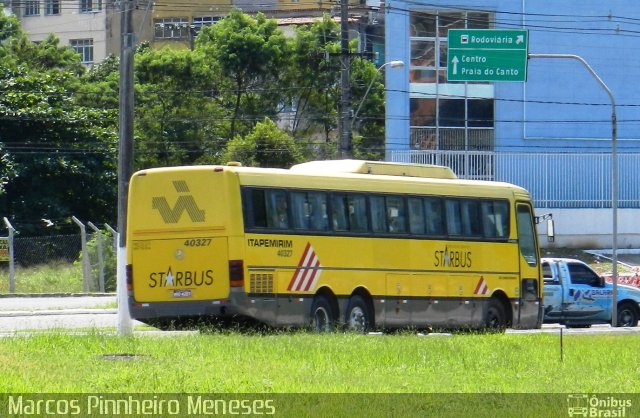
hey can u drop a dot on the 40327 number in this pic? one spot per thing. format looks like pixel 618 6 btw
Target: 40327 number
pixel 198 242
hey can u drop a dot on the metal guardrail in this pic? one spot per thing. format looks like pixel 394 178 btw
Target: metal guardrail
pixel 555 180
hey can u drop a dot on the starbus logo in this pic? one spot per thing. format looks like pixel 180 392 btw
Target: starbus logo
pixel 450 257
pixel 185 202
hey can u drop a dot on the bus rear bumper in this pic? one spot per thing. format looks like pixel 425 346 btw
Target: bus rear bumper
pixel 147 311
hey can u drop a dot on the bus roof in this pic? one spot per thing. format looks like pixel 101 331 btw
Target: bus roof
pixel 375 167
pixel 391 174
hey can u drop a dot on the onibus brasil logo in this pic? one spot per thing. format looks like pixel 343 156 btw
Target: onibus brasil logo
pixel 583 405
pixel 185 202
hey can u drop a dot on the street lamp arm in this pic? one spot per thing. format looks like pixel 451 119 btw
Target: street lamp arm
pixel 392 64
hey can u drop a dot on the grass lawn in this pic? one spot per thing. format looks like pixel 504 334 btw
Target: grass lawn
pixel 299 362
pixel 299 374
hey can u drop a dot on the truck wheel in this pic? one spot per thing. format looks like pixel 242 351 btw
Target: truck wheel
pixel 496 319
pixel 322 318
pixel 627 315
pixel 358 317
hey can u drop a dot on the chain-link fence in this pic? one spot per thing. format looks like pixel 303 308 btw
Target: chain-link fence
pixel 55 264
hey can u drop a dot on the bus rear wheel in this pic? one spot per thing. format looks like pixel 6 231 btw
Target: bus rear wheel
pixel 358 317
pixel 322 317
pixel 496 319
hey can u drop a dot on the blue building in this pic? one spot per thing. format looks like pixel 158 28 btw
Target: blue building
pixel 553 133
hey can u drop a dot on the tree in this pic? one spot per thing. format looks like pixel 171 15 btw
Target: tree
pixel 7 172
pixel 248 55
pixel 369 142
pixel 61 154
pixel 265 146
pixel 177 121
pixel 314 78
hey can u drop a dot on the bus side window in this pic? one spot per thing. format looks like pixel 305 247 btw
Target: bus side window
pixel 471 221
pixel 358 221
pixel 378 214
pixel 395 214
pixel 339 212
pixel 277 209
pixel 416 216
pixel 319 221
pixel 300 210
pixel 454 221
pixel 258 209
pixel 501 209
pixel 434 214
pixel 495 219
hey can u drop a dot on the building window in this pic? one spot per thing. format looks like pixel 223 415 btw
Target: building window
pixel 446 115
pixel 32 8
pixel 84 47
pixel 90 6
pixel 171 28
pixel 200 22
pixel 51 7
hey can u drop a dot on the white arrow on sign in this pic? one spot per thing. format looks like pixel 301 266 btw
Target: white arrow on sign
pixel 519 39
pixel 455 61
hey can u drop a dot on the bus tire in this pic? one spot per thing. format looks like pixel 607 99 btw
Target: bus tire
pixel 322 317
pixel 496 319
pixel 358 316
pixel 627 315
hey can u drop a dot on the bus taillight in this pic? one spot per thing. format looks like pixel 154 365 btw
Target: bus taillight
pixel 236 273
pixel 129 277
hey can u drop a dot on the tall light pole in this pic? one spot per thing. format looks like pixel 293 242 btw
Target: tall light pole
pixel 125 157
pixel 392 64
pixel 345 89
pixel 614 177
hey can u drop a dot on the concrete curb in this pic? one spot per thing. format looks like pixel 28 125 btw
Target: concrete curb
pixel 54 295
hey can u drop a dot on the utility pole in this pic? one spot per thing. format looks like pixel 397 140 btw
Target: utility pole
pixel 614 177
pixel 125 156
pixel 345 89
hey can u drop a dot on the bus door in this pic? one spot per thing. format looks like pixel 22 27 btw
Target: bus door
pixel 529 301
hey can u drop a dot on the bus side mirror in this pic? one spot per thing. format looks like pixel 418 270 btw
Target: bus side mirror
pixel 551 235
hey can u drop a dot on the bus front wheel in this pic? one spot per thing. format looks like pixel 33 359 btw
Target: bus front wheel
pixel 358 318
pixel 322 318
pixel 496 319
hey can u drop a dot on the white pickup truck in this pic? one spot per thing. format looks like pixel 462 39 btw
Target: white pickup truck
pixel 577 296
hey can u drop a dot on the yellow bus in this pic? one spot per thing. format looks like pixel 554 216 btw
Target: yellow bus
pixel 349 243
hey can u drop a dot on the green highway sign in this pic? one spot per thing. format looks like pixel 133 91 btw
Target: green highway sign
pixel 487 55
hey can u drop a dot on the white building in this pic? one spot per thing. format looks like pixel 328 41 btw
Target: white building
pixel 82 24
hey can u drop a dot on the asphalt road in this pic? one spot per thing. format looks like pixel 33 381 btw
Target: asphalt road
pixel 50 313
pixel 42 303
